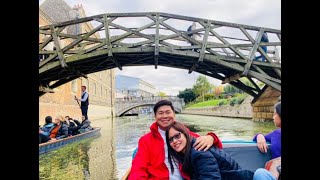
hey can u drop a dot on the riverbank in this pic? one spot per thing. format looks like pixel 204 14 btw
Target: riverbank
pixel 243 110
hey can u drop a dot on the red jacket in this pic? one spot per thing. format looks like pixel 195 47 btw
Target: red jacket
pixel 149 160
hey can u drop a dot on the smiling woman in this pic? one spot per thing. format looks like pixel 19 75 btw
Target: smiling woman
pixel 211 164
pixel 177 136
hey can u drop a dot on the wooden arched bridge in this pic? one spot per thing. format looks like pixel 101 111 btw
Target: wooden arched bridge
pixel 223 50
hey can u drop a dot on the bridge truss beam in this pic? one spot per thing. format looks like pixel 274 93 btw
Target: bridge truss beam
pixel 225 51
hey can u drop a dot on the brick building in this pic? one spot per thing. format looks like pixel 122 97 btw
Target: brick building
pixel 100 85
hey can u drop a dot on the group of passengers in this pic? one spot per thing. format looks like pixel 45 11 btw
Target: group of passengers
pixel 171 151
pixel 62 128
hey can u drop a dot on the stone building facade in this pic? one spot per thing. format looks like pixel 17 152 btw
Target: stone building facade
pixel 134 87
pixel 100 85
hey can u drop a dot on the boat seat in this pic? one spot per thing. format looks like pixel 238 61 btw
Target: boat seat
pixel 247 154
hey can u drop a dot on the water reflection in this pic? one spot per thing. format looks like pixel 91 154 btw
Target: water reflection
pixel 92 159
pixel 109 155
pixel 226 128
pixel 71 163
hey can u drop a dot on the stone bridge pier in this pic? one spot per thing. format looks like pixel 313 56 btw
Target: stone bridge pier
pixel 124 105
pixel 263 106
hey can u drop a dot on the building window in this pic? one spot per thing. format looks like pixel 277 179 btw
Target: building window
pixel 101 91
pixel 94 88
pixel 74 86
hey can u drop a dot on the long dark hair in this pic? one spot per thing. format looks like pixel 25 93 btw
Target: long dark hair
pixel 172 154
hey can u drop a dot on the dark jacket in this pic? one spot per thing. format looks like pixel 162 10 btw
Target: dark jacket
pixel 72 124
pixel 85 126
pixel 63 131
pixel 47 128
pixel 77 122
pixel 216 164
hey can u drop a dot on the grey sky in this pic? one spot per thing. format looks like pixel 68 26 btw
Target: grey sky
pixel 264 13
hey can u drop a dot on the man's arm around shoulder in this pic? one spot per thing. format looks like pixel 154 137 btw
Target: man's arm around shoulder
pixel 214 138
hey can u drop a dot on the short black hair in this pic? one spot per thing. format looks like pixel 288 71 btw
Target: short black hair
pixel 48 119
pixel 160 103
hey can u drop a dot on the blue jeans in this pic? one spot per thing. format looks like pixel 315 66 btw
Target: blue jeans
pixel 261 56
pixel 263 174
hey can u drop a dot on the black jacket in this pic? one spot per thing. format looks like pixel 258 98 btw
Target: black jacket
pixel 216 164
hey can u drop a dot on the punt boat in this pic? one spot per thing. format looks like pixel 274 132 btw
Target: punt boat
pixel 49 146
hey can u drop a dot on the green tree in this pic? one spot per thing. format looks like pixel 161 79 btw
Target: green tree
pixel 201 87
pixel 218 91
pixel 230 89
pixel 188 95
pixel 162 94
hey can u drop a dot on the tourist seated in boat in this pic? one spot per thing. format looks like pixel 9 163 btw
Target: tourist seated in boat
pixel 85 125
pixel 274 138
pixel 44 132
pixel 69 121
pixel 60 130
pixel 73 125
pixel 212 164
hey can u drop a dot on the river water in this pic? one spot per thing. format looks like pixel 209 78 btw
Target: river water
pixel 109 155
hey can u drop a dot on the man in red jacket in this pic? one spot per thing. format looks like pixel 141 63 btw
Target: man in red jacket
pixel 151 160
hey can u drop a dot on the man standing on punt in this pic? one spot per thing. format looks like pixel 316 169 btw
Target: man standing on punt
pixel 84 101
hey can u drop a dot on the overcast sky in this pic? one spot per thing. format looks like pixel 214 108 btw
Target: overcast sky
pixel 264 13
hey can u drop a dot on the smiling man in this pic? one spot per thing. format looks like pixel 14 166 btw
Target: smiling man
pixel 151 160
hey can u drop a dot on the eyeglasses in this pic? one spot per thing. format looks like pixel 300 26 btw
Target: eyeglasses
pixel 176 137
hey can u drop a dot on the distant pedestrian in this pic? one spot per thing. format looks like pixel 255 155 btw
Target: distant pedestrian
pixel 264 38
pixel 192 35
